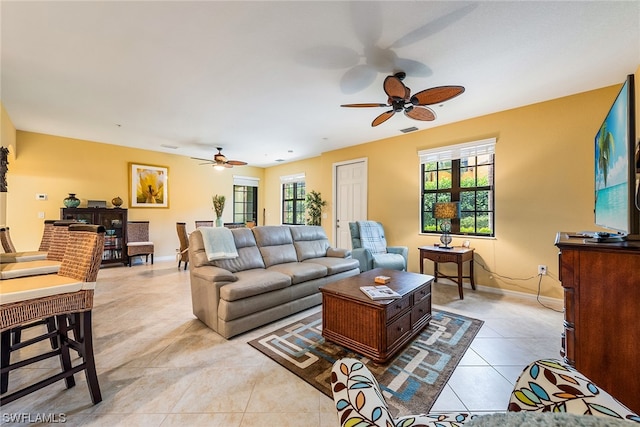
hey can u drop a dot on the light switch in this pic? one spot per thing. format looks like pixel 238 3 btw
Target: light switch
pixel 41 215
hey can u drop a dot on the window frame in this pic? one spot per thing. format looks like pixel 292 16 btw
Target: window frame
pixel 296 202
pixel 454 160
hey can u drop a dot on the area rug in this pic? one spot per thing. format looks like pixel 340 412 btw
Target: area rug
pixel 411 382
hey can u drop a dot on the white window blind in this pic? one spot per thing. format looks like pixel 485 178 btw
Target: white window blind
pixel 247 181
pixel 458 151
pixel 296 177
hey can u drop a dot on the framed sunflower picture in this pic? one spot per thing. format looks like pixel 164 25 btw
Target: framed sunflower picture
pixel 148 186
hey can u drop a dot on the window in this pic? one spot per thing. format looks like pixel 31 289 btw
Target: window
pixel 293 194
pixel 245 199
pixel 461 173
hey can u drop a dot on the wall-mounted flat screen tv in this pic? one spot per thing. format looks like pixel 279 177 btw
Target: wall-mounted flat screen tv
pixel 615 166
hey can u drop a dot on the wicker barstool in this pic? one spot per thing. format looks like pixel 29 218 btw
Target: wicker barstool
pixel 67 296
pixel 138 240
pixel 183 254
pixel 11 255
pixel 47 235
pixel 51 265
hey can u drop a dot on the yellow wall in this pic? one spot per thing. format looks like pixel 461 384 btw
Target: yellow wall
pixel 57 166
pixel 7 139
pixel 544 183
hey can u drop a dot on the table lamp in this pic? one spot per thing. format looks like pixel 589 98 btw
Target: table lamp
pixel 446 211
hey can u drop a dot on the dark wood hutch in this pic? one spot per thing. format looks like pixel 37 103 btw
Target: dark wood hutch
pixel 601 337
pixel 114 221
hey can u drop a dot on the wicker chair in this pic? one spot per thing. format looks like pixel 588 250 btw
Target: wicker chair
pixel 67 296
pixel 47 235
pixel 11 255
pixel 204 224
pixel 183 254
pixel 138 242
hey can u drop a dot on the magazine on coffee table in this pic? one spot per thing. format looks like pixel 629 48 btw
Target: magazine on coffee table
pixel 379 292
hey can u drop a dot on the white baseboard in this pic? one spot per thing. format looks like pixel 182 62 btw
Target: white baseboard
pixel 556 303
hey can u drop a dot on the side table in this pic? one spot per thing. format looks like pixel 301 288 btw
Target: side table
pixel 459 255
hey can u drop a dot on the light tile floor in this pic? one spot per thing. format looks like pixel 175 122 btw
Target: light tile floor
pixel 159 366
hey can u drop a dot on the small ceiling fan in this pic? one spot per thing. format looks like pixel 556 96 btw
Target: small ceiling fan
pixel 414 107
pixel 220 161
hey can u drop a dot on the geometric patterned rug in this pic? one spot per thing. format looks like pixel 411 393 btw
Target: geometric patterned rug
pixel 411 381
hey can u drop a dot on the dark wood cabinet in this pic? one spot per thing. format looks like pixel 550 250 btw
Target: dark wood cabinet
pixel 601 337
pixel 114 221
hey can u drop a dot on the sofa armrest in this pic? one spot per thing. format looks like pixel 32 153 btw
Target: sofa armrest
pixel 364 257
pixel 338 252
pixel 213 274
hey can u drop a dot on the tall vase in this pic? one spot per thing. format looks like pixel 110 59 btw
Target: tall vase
pixel 218 222
pixel 72 201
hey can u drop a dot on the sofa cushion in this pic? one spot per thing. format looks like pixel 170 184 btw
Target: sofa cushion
pixel 299 271
pixel 254 282
pixel 310 241
pixel 275 243
pixel 249 256
pixel 335 265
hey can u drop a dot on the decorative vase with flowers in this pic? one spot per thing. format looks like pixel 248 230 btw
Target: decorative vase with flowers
pixel 218 206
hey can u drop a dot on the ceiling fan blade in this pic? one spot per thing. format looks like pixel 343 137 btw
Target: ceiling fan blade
pixel 204 160
pixel 382 118
pixel 436 95
pixel 394 87
pixel 364 105
pixel 236 163
pixel 420 113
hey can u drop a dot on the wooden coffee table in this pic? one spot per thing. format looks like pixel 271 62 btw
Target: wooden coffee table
pixel 376 329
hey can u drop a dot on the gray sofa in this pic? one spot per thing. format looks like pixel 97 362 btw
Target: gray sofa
pixel 278 272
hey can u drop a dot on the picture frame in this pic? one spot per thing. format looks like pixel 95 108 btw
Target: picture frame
pixel 148 186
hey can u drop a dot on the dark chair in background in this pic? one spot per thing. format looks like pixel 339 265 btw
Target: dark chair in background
pixel 138 242
pixel 204 224
pixel 183 252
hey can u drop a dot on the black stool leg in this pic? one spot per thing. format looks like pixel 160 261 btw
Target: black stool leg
pixel 63 344
pixel 84 321
pixel 5 350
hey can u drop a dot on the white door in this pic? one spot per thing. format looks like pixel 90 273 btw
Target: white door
pixel 351 198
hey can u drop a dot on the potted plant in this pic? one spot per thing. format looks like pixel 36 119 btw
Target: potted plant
pixel 218 206
pixel 314 205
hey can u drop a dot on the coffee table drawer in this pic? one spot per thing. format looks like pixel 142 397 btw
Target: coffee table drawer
pixel 420 311
pixel 398 306
pixel 398 329
pixel 422 293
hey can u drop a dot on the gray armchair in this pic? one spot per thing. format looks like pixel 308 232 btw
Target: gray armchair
pixel 369 247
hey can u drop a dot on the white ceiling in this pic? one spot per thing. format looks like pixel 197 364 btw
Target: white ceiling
pixel 265 79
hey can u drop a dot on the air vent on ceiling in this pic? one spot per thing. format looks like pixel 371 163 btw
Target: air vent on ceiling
pixel 279 160
pixel 173 147
pixel 407 130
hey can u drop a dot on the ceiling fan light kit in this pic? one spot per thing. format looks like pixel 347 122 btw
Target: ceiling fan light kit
pixel 220 161
pixel 414 107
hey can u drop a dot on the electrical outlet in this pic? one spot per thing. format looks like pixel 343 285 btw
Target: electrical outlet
pixel 542 270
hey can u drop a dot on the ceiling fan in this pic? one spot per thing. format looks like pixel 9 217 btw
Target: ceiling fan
pixel 414 107
pixel 220 161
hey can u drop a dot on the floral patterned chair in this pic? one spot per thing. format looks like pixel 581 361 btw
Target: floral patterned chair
pixel 550 385
pixel 359 401
pixel 544 386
